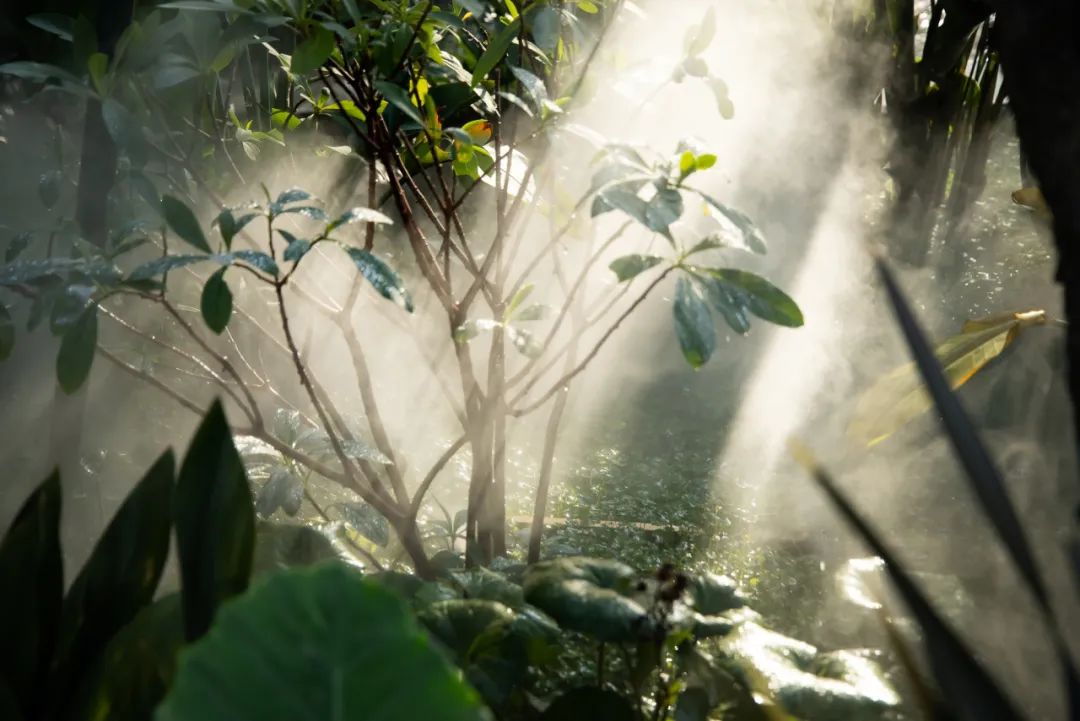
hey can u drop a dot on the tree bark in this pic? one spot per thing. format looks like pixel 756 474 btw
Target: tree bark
pixel 1040 58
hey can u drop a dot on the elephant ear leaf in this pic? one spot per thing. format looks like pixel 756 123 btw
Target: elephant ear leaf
pixel 325 640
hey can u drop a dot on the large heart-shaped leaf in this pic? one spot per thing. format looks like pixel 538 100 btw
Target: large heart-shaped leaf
pixel 321 643
pixel 588 595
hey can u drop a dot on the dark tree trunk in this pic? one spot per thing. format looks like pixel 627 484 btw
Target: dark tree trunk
pixel 1040 58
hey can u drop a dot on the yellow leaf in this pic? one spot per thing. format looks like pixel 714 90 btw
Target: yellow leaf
pixel 1032 198
pixel 900 396
pixel 478 130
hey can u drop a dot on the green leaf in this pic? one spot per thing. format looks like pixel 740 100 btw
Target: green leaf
pixel 358 215
pixel 523 342
pixel 588 595
pixel 296 249
pixel 495 51
pixel 457 623
pixel 217 301
pixel 325 643
pixel 399 98
pixel 158 266
pixel 31 571
pixel 590 703
pixel 381 276
pixel 215 523
pixel 292 195
pixel 765 300
pixel 287 545
pixel 366 520
pixel 229 224
pixel 254 258
pixel 97 65
pixel 751 235
pixel 183 222
pixel 663 209
pixel 308 211
pixel 711 593
pixel 77 348
pixel 136 667
pixel 282 490
pixel 7 333
pixel 315 50
pixel 474 327
pixel 120 577
pixel 519 298
pixel 693 324
pixel 43 73
pixel 483 583
pixel 629 266
pixel 536 311
pixel 62 26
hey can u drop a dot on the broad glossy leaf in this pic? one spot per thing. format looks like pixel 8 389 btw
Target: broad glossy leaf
pixel 34 271
pixel 287 545
pixel 536 311
pixel 183 222
pixel 282 490
pixel 629 266
pixel 590 703
pixel 312 52
pixel 588 595
pixel 62 26
pixel 711 593
pixel 496 49
pixel 751 236
pixel 318 643
pixel 120 577
pixel 292 195
pixel 381 276
pixel 216 303
pixel 523 342
pixel 519 297
pixel 367 521
pixel 164 264
pixel 693 324
pixel 255 258
pixel 77 349
pixel 763 299
pixel 297 247
pixel 485 584
pixel 230 223
pixel 31 569
pixel 358 215
pixel 214 523
pixel 900 395
pixel 458 623
pixel 399 98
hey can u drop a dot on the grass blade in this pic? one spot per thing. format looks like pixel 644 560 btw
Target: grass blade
pixel 967 688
